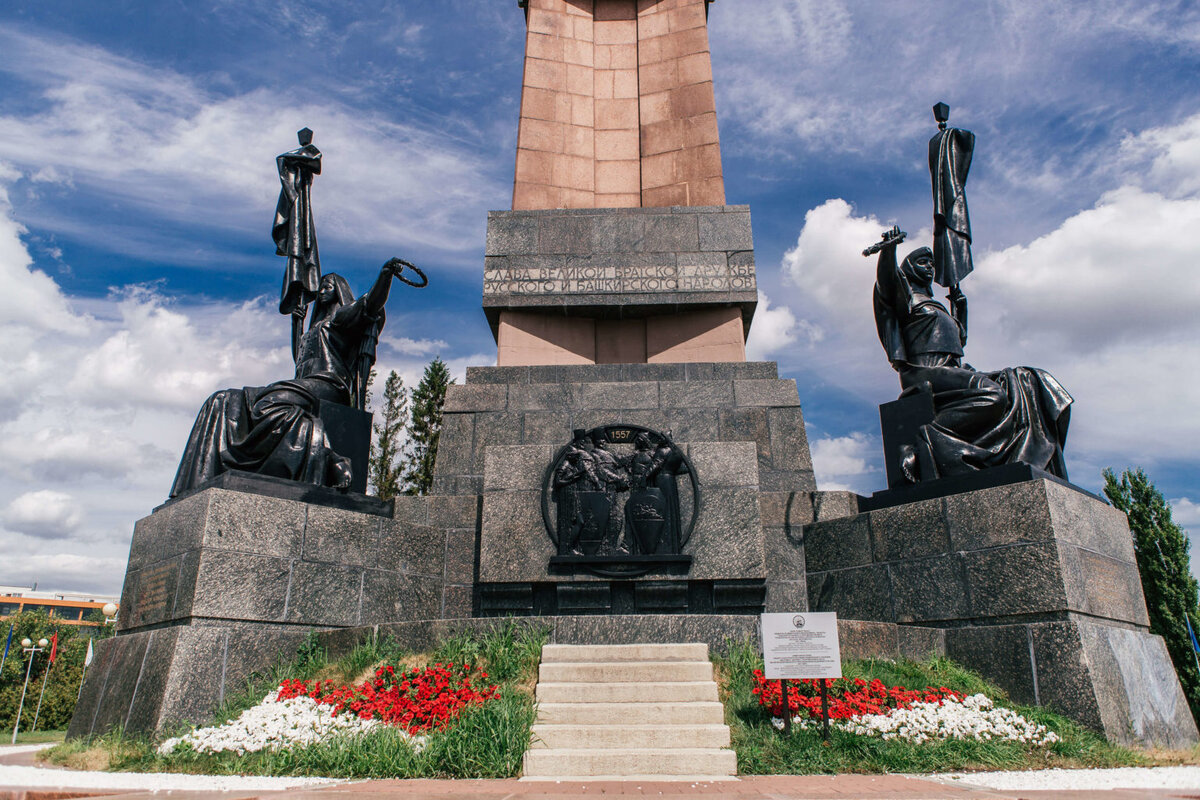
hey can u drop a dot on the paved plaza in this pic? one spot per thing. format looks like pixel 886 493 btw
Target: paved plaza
pixel 21 778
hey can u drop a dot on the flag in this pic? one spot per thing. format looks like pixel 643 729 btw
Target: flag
pixel 1191 633
pixel 53 646
pixel 7 644
pixel 87 658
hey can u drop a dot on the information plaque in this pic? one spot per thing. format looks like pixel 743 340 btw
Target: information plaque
pixel 801 645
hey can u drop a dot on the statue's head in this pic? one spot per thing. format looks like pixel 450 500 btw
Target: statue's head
pixel 333 293
pixel 918 267
pixel 642 442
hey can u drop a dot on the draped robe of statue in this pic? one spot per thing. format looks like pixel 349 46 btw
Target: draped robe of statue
pixel 275 430
pixel 950 152
pixel 981 419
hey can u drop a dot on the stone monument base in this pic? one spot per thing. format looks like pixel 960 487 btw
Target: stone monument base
pixel 226 581
pixel 743 431
pixel 1035 585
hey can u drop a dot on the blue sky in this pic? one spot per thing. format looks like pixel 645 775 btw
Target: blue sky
pixel 137 184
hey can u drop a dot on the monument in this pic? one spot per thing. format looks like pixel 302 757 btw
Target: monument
pixel 623 474
pixel 1031 580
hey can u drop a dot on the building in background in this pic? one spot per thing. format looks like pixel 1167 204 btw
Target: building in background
pixel 68 608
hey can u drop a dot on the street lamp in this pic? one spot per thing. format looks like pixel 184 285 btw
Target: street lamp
pixel 109 611
pixel 28 647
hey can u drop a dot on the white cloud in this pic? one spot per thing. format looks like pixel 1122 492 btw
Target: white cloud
pixel 828 288
pixel 161 143
pixel 774 329
pixel 1115 272
pixel 415 347
pixel 846 462
pixel 96 405
pixel 1186 513
pixel 832 83
pixel 45 514
pixel 157 356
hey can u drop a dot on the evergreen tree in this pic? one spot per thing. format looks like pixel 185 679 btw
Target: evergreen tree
pixel 426 426
pixel 387 465
pixel 1165 568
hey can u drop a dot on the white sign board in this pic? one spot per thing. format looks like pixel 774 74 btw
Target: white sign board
pixel 801 645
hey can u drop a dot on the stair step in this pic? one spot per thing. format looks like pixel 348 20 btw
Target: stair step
pixel 637 711
pixel 630 761
pixel 645 713
pixel 650 737
pixel 556 653
pixel 627 692
pixel 619 672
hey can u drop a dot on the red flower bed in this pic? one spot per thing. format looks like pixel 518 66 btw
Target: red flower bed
pixel 847 697
pixel 415 700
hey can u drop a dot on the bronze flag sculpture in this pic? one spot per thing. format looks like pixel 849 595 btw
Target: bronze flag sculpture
pixel 980 419
pixel 295 233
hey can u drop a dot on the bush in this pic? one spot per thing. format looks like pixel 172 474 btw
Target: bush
pixel 62 685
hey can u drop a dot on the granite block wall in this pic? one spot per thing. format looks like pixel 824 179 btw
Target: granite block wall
pixel 234 556
pixel 714 402
pixel 1036 547
pixel 611 263
pixel 1033 584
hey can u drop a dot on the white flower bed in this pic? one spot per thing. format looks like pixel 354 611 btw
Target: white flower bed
pixel 276 723
pixel 974 717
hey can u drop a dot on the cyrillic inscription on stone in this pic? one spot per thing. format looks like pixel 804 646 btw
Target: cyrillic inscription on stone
pixel 618 280
pixel 156 590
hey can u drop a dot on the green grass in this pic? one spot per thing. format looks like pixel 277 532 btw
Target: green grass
pixel 36 737
pixel 762 750
pixel 484 742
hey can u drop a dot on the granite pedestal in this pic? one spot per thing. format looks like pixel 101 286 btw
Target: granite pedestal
pixel 224 582
pixel 742 428
pixel 1035 585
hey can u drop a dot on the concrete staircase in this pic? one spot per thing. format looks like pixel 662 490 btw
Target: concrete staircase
pixel 642 711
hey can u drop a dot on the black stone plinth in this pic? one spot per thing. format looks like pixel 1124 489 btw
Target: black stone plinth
pixel 618 566
pixel 284 489
pixel 349 432
pixel 900 423
pixel 609 597
pixel 959 484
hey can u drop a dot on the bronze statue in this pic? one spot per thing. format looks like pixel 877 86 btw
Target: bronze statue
pixel 277 430
pixel 588 482
pixel 585 486
pixel 980 419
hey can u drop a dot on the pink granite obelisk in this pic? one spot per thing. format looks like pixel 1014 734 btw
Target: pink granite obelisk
pixel 617 106
pixel 618 117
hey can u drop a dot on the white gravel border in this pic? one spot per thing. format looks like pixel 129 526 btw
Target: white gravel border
pixel 49 777
pixel 1078 779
